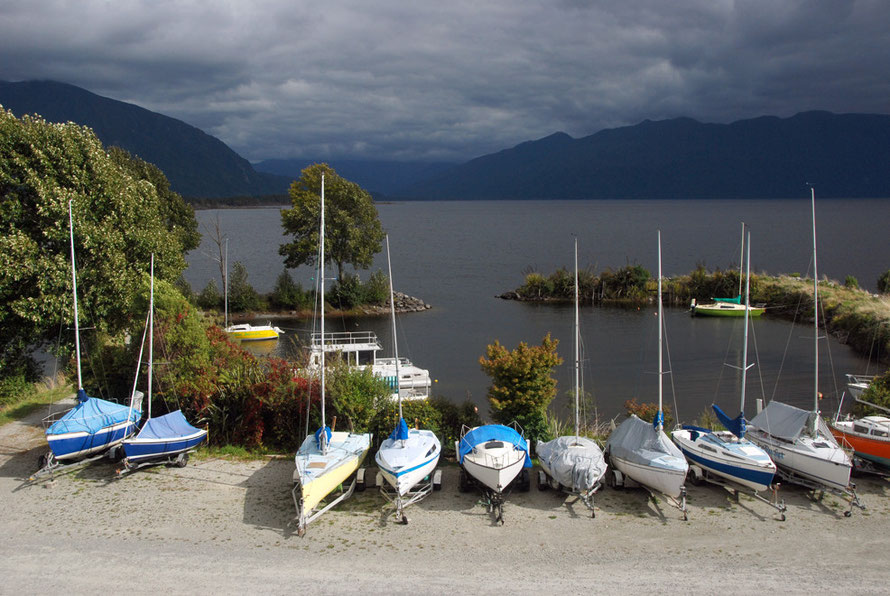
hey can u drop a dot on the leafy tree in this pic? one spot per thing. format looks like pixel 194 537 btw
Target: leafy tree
pixel 884 282
pixel 356 395
pixel 210 297
pixel 522 386
pixel 353 233
pixel 119 221
pixel 242 296
pixel 377 288
pixel 287 293
pixel 851 282
pixel 878 393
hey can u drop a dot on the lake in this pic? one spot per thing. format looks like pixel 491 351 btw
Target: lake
pixel 458 255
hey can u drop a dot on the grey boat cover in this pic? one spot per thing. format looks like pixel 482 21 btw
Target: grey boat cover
pixel 575 462
pixel 788 422
pixel 638 441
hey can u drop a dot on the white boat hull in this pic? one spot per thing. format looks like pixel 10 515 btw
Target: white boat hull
pixel 495 473
pixel 816 460
pixel 738 461
pixel 403 464
pixel 668 480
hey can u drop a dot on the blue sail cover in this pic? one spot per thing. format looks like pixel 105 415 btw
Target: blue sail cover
pixel 736 426
pixel 400 432
pixel 91 415
pixel 170 426
pixel 493 432
pixel 328 434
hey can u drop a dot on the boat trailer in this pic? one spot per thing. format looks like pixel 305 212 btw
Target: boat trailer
pixel 546 481
pixel 433 482
pixel 697 475
pixel 848 494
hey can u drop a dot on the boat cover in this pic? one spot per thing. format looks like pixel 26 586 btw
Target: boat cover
pixel 91 415
pixel 737 426
pixel 788 422
pixel 169 426
pixel 576 462
pixel 637 441
pixel 400 432
pixel 328 435
pixel 736 300
pixel 493 432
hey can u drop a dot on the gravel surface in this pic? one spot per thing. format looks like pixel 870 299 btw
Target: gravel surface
pixel 227 526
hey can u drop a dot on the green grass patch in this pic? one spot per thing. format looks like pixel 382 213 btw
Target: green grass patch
pixel 35 396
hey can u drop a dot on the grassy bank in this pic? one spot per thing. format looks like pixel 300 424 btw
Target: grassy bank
pixel 856 317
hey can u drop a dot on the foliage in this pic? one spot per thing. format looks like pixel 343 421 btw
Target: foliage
pixel 422 413
pixel 878 393
pixel 122 214
pixel 453 418
pixel 376 289
pixel 884 282
pixel 355 394
pixel 353 233
pixel 287 294
pixel 851 282
pixel 242 296
pixel 347 293
pixel 647 411
pixel 522 386
pixel 210 296
pixel 185 288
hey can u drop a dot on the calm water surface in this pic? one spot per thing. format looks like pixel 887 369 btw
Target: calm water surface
pixel 458 255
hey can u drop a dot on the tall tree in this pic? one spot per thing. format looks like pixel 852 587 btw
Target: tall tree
pixel 120 219
pixel 353 234
pixel 521 383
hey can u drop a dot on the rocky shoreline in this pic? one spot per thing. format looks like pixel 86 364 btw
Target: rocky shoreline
pixel 403 302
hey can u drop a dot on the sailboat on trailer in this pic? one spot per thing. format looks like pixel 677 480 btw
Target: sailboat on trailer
pixel 642 451
pixel 94 425
pixel 327 458
pixel 798 440
pixel 407 457
pixel 163 439
pixel 574 463
pixel 727 456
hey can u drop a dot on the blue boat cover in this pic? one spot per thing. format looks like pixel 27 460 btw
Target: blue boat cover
pixel 400 432
pixel 169 426
pixel 328 434
pixel 736 426
pixel 91 415
pixel 493 432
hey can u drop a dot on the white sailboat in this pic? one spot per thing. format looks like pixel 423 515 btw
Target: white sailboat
pixel 93 426
pixel 727 456
pixel 643 452
pixel 799 441
pixel 407 457
pixel 574 463
pixel 327 458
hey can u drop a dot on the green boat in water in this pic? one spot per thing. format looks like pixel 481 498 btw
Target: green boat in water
pixel 727 307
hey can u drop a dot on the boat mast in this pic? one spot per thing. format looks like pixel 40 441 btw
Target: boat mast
pixel 151 329
pixel 80 394
pixel 226 283
pixel 815 312
pixel 392 309
pixel 324 435
pixel 741 258
pixel 659 416
pixel 747 311
pixel 577 351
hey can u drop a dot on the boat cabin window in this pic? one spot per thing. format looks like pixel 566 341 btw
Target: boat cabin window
pixel 821 445
pixel 860 429
pixel 879 433
pixel 365 357
pixel 494 445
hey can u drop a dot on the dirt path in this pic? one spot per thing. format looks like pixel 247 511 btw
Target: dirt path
pixel 226 526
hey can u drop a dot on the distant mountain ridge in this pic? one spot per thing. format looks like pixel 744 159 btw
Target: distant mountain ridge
pixel 378 177
pixel 843 155
pixel 196 164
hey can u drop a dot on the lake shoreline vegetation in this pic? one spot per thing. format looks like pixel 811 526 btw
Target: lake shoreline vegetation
pixel 855 316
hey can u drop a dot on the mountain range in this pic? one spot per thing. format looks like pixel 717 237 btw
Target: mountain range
pixel 843 155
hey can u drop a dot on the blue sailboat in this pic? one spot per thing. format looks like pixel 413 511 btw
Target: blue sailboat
pixel 94 425
pixel 167 438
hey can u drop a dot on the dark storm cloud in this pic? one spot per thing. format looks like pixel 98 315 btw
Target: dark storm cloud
pixel 450 80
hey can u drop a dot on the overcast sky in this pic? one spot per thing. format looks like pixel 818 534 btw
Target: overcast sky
pixel 450 79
